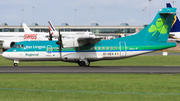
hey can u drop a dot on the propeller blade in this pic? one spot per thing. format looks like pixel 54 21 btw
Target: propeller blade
pixel 60 43
pixel 60 39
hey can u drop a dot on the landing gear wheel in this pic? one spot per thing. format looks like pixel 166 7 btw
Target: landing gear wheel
pixel 15 64
pixel 81 63
pixel 87 65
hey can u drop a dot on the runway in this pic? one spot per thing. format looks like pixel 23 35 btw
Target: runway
pixel 102 69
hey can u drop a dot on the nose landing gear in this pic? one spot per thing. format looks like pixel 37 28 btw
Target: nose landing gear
pixel 16 62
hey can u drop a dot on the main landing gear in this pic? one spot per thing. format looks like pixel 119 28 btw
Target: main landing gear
pixel 84 63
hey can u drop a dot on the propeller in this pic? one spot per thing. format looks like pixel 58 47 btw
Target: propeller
pixel 50 36
pixel 59 42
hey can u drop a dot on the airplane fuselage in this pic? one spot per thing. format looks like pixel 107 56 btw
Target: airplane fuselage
pixel 175 35
pixel 25 36
pixel 49 50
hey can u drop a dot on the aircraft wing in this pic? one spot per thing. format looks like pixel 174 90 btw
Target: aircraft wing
pixel 89 40
pixel 84 38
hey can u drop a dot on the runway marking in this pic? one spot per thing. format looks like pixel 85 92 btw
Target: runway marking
pixel 89 91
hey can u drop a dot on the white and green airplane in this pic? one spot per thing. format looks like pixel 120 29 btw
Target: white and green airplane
pixel 151 38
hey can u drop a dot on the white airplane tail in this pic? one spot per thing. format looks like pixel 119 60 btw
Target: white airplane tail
pixel 26 28
pixel 51 28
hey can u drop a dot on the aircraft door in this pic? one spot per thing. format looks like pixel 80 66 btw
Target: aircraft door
pixel 49 49
pixel 122 47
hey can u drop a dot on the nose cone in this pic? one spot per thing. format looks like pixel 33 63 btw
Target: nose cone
pixel 5 54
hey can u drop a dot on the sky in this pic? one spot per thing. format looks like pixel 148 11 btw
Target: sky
pixel 103 12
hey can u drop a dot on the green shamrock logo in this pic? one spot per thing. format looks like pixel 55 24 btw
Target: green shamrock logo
pixel 159 27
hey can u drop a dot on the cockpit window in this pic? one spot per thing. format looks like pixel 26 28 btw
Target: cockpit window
pixel 14 46
pixel 18 46
pixel 22 46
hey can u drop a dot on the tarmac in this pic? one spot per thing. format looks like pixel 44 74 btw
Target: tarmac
pixel 92 69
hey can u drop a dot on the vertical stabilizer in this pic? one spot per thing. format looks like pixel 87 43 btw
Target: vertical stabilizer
pixel 26 28
pixel 51 28
pixel 158 29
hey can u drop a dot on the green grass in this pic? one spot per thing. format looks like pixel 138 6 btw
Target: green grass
pixel 138 87
pixel 133 61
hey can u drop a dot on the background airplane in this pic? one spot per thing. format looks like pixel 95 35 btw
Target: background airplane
pixel 8 39
pixel 175 28
pixel 151 38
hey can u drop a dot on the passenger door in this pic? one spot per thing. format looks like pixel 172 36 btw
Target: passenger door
pixel 48 50
pixel 122 47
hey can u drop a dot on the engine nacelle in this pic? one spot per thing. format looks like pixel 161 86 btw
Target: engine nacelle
pixel 7 44
pixel 73 42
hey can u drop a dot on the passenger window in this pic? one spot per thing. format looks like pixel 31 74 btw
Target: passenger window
pixel 103 48
pixel 57 48
pixel 99 48
pixel 69 48
pixel 107 48
pixel 111 48
pixel 94 48
pixel 115 48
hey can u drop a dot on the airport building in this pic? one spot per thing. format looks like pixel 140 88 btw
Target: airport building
pixel 102 31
